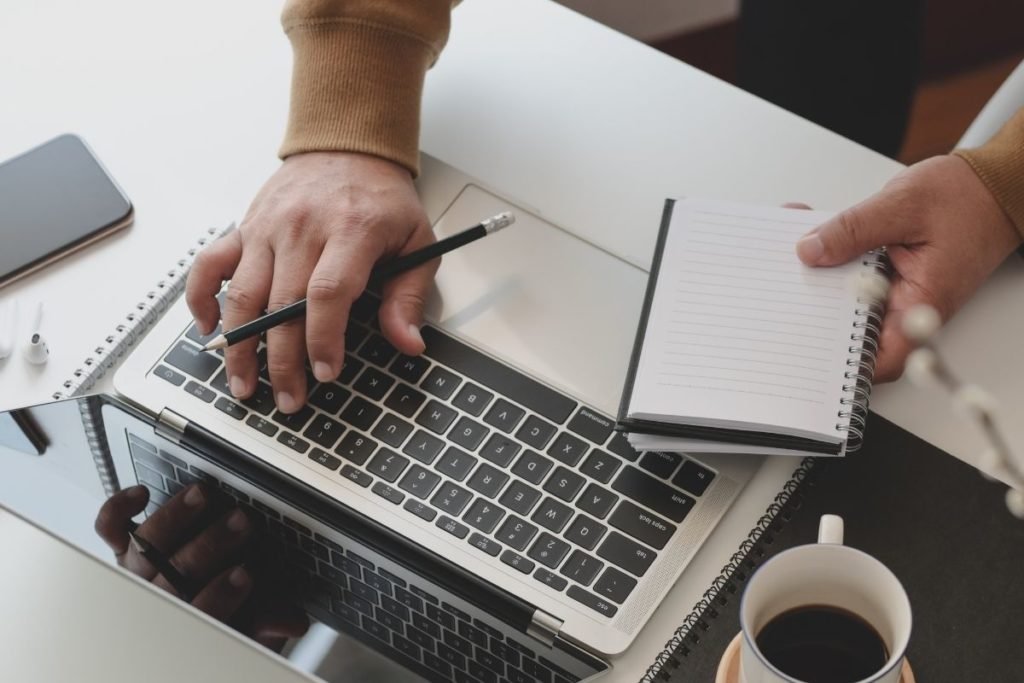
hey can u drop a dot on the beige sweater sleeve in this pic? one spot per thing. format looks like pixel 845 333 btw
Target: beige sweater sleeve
pixel 1000 165
pixel 358 74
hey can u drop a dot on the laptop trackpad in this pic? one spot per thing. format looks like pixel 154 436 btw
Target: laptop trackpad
pixel 541 298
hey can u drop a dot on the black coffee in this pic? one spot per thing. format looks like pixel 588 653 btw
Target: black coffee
pixel 822 644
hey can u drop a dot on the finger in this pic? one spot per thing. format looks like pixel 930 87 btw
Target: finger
pixel 286 621
pixel 849 234
pixel 167 527
pixel 894 347
pixel 222 597
pixel 246 299
pixel 286 343
pixel 113 520
pixel 214 264
pixel 207 554
pixel 404 296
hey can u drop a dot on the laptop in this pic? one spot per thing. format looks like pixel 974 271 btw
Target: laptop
pixel 471 513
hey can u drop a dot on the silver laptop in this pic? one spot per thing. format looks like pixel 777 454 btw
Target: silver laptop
pixel 470 513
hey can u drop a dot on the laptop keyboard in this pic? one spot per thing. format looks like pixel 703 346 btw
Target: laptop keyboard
pixel 521 472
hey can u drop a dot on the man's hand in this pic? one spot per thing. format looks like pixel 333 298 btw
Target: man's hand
pixel 315 230
pixel 945 235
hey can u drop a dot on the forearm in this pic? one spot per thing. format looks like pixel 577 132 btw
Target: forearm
pixel 1000 165
pixel 358 74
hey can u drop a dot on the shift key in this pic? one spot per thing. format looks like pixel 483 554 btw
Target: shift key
pixel 655 494
pixel 192 361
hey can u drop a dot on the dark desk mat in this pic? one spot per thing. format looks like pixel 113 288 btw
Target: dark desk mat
pixel 942 529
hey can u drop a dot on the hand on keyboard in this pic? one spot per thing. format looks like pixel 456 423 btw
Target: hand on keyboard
pixel 205 545
pixel 315 230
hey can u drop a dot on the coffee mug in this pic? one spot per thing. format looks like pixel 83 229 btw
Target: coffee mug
pixel 824 611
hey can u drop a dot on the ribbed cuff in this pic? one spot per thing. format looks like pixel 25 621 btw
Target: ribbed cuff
pixel 356 88
pixel 1000 165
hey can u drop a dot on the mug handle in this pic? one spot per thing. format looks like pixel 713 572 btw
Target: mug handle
pixel 830 529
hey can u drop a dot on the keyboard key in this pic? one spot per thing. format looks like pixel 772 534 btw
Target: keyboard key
pixel 230 408
pixel 455 463
pixel 436 417
pixel 410 368
pixel 564 484
pixel 220 382
pixel 388 493
pixel 597 501
pixel 620 446
pixel 653 493
pixel 387 464
pixel 295 421
pixel 329 397
pixel 472 399
pixel 582 568
pixel 510 655
pixel 401 595
pixel 468 433
pixel 627 554
pixel 660 464
pixel 198 390
pixel 532 466
pixel 426 625
pixel 377 350
pixel 488 481
pixel 568 449
pixel 351 366
pixel 392 430
pixel 419 482
pixel 261 425
pixel 361 605
pixel 614 585
pixel 477 670
pixel 591 425
pixel 548 550
pixel 550 580
pixel 473 634
pixel 449 655
pixel 442 617
pixel 420 510
pixel 419 592
pixel 202 339
pixel 440 382
pixel 190 360
pixel 405 400
pixel 423 447
pixel 520 498
pixel 360 414
pixel 594 602
pixel 485 544
pixel 324 431
pixel 497 376
pixel 355 335
pixel 500 450
pixel 324 458
pixel 600 465
pixel 585 532
pixel 420 638
pixel 552 515
pixel 262 399
pixel 451 498
pixel 536 432
pixel 693 477
pixel 165 373
pixel 376 629
pixel 451 526
pixel 356 448
pixel 406 647
pixel 516 532
pixel 504 416
pixel 489 661
pixel 293 442
pixel 642 525
pixel 517 562
pixel 358 476
pixel 373 383
pixel 458 643
pixel 484 515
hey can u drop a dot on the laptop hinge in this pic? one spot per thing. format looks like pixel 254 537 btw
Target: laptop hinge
pixel 170 425
pixel 544 627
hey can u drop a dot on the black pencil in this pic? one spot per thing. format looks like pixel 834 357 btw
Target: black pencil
pixel 378 275
pixel 147 550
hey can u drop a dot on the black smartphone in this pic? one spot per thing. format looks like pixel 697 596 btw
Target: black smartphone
pixel 54 200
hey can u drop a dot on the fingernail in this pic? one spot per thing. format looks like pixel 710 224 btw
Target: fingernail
pixel 414 330
pixel 239 578
pixel 286 403
pixel 237 385
pixel 194 497
pixel 136 492
pixel 810 248
pixel 204 328
pixel 323 371
pixel 237 522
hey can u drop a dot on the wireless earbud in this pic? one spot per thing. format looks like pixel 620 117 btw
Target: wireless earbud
pixel 36 351
pixel 7 325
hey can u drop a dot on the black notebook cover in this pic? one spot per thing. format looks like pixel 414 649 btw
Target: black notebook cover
pixel 943 530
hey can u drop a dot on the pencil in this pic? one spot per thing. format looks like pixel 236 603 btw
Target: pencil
pixel 162 564
pixel 379 274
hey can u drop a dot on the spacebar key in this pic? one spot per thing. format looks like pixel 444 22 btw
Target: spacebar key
pixel 496 375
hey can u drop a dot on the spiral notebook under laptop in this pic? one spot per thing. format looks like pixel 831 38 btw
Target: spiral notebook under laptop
pixel 742 348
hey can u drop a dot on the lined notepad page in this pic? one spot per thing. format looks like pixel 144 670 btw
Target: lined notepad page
pixel 740 331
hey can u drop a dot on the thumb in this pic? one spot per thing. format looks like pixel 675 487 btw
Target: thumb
pixel 404 296
pixel 844 237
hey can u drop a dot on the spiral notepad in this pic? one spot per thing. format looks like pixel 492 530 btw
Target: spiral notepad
pixel 742 348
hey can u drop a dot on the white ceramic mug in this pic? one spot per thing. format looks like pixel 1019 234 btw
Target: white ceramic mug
pixel 825 573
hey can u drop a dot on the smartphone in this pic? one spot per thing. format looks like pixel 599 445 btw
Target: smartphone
pixel 55 199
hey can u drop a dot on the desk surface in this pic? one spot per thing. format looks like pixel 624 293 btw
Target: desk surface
pixel 187 109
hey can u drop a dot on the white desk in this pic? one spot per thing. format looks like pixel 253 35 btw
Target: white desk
pixel 187 108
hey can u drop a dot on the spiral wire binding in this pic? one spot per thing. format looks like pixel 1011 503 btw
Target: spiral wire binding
pixel 860 373
pixel 92 421
pixel 728 581
pixel 137 322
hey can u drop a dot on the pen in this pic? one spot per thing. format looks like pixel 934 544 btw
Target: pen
pixel 380 273
pixel 162 564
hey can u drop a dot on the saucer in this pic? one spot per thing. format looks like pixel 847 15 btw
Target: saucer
pixel 729 667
